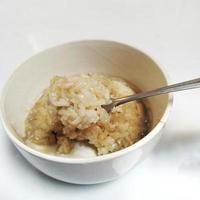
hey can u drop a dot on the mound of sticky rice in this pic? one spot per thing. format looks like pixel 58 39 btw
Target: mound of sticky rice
pixel 70 110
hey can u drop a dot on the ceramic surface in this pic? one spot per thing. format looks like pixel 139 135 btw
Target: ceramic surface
pixel 90 56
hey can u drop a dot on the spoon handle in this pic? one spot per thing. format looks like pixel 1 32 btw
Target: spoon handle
pixel 195 83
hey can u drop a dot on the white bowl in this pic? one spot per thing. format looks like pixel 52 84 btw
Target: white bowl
pixel 108 57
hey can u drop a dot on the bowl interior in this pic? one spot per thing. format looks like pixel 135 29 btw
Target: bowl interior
pixel 29 80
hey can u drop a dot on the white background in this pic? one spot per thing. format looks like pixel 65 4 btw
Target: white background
pixel 167 30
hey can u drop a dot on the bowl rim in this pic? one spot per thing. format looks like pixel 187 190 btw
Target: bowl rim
pixel 8 129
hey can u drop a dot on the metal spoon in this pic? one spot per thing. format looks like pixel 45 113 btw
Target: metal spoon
pixel 195 83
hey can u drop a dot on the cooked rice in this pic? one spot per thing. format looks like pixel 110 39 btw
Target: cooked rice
pixel 70 110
